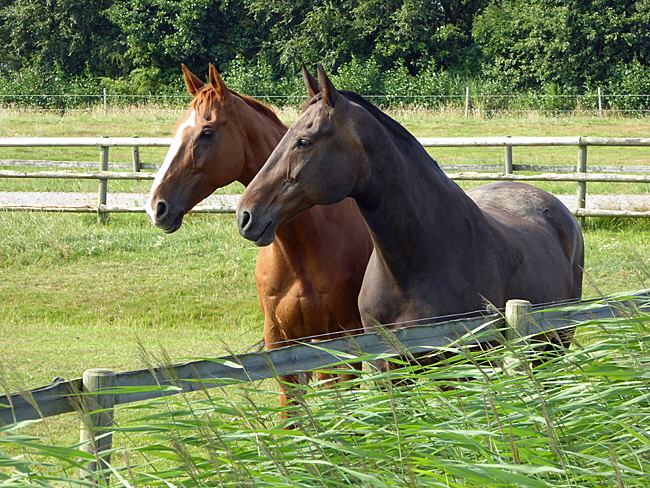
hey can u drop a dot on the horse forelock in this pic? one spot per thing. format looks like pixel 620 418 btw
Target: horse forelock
pixel 204 102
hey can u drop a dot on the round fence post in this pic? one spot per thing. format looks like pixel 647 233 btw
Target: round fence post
pixel 102 216
pixel 600 103
pixel 509 168
pixel 98 416
pixel 136 158
pixel 518 318
pixel 581 194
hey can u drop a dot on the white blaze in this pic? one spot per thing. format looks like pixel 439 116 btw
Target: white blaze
pixel 171 154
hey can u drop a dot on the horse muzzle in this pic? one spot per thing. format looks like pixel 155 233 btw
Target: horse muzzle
pixel 164 217
pixel 255 227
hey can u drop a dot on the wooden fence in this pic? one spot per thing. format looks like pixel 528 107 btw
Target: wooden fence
pixel 580 173
pixel 518 322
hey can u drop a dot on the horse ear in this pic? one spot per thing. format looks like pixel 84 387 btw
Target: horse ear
pixel 331 95
pixel 310 82
pixel 191 82
pixel 223 94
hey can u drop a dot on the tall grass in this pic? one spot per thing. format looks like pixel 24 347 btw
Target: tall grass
pixel 578 421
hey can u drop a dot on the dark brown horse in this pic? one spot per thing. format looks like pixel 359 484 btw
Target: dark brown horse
pixel 308 281
pixel 438 249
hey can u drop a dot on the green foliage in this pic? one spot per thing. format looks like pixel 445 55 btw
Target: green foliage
pixel 257 78
pixel 69 35
pixel 379 47
pixel 533 44
pixel 160 34
pixel 631 84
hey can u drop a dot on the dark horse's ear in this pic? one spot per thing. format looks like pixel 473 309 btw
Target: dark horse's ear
pixel 331 95
pixel 223 94
pixel 310 82
pixel 191 82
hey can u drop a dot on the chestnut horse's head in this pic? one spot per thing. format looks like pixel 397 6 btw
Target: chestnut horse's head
pixel 319 161
pixel 207 152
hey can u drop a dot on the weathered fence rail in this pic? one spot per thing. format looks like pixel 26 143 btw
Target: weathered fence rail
pixel 580 173
pixel 59 397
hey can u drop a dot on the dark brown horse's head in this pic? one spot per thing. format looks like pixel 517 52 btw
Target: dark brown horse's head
pixel 319 161
pixel 207 152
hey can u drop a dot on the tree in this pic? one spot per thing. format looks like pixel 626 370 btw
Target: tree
pixel 571 43
pixel 73 35
pixel 161 34
pixel 417 32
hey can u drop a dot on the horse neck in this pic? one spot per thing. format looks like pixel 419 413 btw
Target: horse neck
pixel 297 237
pixel 410 205
pixel 261 134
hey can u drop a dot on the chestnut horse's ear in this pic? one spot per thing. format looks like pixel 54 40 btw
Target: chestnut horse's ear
pixel 310 82
pixel 191 82
pixel 223 94
pixel 331 95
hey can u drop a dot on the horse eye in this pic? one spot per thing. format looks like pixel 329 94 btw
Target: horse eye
pixel 207 134
pixel 303 143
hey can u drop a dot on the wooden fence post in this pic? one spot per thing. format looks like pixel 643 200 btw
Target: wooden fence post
pixel 93 424
pixel 103 185
pixel 509 168
pixel 466 101
pixel 518 318
pixel 600 103
pixel 581 201
pixel 136 158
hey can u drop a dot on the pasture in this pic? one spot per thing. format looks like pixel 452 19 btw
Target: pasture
pixel 77 295
pixel 65 276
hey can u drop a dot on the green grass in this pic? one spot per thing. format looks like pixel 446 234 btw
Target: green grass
pixel 580 421
pixel 77 295
pixel 63 275
pixel 70 285
pixel 421 123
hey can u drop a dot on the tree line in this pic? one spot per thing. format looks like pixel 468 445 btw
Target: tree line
pixel 371 46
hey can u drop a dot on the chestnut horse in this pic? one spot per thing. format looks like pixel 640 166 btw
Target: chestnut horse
pixel 308 281
pixel 438 250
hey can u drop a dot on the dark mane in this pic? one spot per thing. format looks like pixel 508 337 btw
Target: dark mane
pixel 403 138
pixel 207 96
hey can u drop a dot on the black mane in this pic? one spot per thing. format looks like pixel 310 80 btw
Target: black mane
pixel 403 138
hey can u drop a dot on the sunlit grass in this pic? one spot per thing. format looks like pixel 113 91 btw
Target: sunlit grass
pixel 76 295
pixel 579 421
pixel 422 123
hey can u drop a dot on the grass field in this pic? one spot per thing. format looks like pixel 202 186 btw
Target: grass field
pixel 76 295
pixel 579 421
pixel 420 123
pixel 70 284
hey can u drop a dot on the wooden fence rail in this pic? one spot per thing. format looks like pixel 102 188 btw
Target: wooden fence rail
pixel 55 399
pixel 520 321
pixel 577 173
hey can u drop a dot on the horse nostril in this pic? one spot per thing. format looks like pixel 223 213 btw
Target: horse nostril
pixel 245 219
pixel 161 210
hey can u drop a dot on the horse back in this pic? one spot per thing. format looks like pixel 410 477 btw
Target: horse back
pixel 536 223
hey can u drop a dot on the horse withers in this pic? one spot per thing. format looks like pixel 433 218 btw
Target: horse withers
pixel 438 250
pixel 308 281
